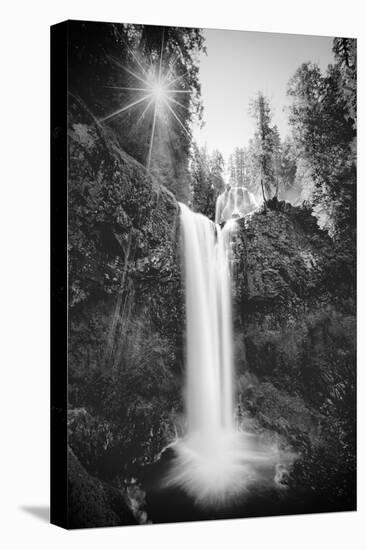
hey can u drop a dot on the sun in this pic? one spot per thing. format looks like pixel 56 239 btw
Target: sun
pixel 159 92
pixel 155 90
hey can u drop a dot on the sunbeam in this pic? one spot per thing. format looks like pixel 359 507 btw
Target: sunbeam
pixel 177 118
pixel 152 137
pixel 178 103
pixel 119 111
pixel 156 85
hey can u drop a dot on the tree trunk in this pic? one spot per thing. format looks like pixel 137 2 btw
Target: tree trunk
pixel 264 196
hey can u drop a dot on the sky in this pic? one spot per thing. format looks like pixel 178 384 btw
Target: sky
pixel 238 64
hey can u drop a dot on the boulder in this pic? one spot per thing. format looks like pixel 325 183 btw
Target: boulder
pixel 92 503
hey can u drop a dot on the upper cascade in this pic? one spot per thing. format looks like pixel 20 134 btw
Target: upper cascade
pixel 234 202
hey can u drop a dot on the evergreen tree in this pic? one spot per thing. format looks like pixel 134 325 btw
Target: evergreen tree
pixel 324 133
pixel 207 180
pixel 345 51
pixel 217 166
pixel 104 59
pixel 265 148
pixel 286 170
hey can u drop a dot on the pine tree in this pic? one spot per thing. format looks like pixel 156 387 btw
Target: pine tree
pixel 207 180
pixel 324 133
pixel 265 147
pixel 217 166
pixel 99 55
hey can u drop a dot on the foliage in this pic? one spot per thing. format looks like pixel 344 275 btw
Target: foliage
pixel 238 168
pixel 206 179
pixel 324 135
pixel 104 58
pixel 345 50
pixel 287 164
pixel 266 147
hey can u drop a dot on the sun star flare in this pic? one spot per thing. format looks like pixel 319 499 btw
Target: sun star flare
pixel 153 87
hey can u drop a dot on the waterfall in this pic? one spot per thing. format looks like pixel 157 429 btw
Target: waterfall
pixel 215 462
pixel 209 326
pixel 209 463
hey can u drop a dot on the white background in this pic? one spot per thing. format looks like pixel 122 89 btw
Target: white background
pixel 24 305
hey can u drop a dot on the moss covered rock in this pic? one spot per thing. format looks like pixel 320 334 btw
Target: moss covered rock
pixel 125 296
pixel 92 503
pixel 295 341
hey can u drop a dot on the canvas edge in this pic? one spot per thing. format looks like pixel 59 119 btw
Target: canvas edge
pixel 59 282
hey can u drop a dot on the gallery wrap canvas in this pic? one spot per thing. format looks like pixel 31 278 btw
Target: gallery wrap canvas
pixel 203 274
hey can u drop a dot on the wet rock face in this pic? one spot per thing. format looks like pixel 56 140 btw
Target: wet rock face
pixel 294 299
pixel 93 503
pixel 282 257
pixel 125 305
pixel 117 214
pixel 295 341
pixel 122 242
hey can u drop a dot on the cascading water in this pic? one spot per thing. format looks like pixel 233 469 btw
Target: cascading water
pixel 209 331
pixel 215 461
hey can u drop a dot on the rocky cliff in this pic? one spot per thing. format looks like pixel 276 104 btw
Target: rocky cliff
pixel 295 343
pixel 294 304
pixel 125 296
